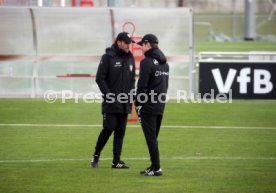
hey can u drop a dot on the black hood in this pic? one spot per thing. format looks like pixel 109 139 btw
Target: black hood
pixel 157 54
pixel 115 50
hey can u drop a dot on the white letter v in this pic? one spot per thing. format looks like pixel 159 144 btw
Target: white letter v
pixel 224 88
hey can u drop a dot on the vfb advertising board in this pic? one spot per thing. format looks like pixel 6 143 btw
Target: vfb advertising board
pixel 244 80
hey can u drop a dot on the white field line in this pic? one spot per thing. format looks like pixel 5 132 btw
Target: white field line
pixel 138 126
pixel 138 158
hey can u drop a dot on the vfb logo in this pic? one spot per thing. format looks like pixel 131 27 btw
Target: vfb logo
pixel 261 80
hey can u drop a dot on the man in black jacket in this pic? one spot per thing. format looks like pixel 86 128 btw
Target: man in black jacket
pixel 115 77
pixel 151 97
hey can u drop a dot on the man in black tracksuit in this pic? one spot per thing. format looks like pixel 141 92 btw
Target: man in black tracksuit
pixel 151 96
pixel 115 76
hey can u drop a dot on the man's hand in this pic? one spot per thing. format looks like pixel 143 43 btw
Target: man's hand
pixel 137 109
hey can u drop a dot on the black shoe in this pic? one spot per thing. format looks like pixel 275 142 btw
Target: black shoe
pixel 95 161
pixel 120 165
pixel 154 173
pixel 145 170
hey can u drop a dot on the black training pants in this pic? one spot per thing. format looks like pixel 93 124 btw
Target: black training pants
pixel 151 127
pixel 112 122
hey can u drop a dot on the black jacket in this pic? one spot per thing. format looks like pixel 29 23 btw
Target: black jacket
pixel 115 75
pixel 154 77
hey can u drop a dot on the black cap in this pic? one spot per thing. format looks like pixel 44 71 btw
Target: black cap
pixel 124 36
pixel 148 38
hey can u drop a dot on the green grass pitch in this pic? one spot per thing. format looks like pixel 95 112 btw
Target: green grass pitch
pixel 228 148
